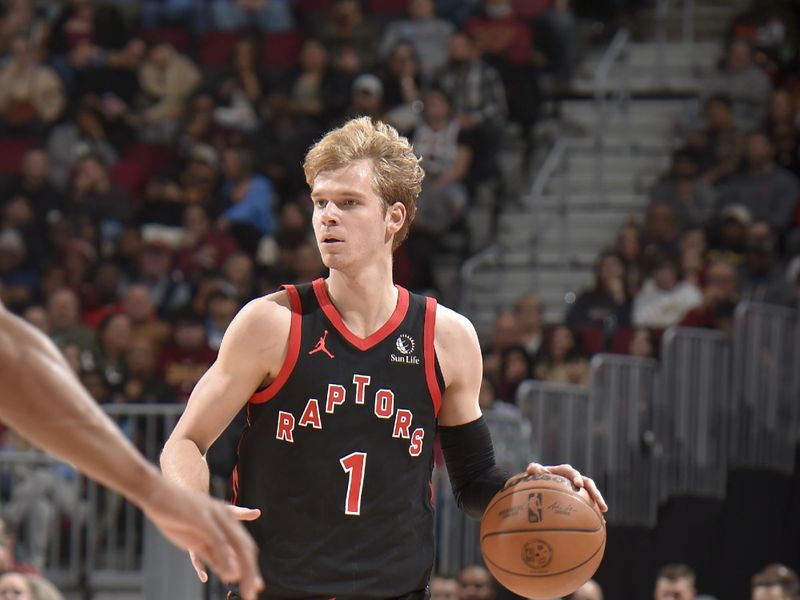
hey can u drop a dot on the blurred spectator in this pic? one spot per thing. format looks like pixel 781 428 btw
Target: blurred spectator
pixel 730 241
pixel 156 13
pixel 782 128
pixel 444 588
pixel 249 199
pixel 606 304
pixel 555 33
pixel 92 195
pixel 138 304
pixel 694 245
pixel 590 590
pixel 661 230
pixel 295 226
pixel 675 582
pixel 475 583
pixel 691 199
pixel 100 296
pixel 664 298
pixel 629 249
pixel 142 383
pixel 37 316
pixel 515 367
pixel 32 184
pixel 479 101
pixel 182 362
pixel 446 158
pixel 222 306
pixel 317 91
pixel 168 290
pixel 19 283
pixel 352 38
pixel 96 384
pixel 203 249
pixel 505 334
pixel 84 133
pixel 239 271
pixel 745 82
pixel 560 360
pixel 267 15
pixel 426 34
pixel 31 94
pixel 529 313
pixel 27 587
pixel 775 582
pixel 762 276
pixel 307 263
pixel 241 89
pixel 167 79
pixel 366 98
pixel 720 294
pixel 719 145
pixel 768 191
pixel 499 34
pixel 402 87
pixel 63 308
pixel 642 343
pixel 8 561
pixel 510 430
pixel 114 336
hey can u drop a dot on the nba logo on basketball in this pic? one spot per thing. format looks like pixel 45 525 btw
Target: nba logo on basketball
pixel 534 508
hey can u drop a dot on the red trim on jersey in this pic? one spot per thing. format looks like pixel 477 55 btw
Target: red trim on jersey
pixel 235 486
pixel 336 319
pixel 430 355
pixel 295 330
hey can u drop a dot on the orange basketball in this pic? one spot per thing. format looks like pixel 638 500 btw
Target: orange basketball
pixel 542 538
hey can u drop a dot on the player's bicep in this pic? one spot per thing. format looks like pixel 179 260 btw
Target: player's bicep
pixel 459 354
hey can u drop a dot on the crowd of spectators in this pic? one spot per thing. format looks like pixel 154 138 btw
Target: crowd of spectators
pixel 722 224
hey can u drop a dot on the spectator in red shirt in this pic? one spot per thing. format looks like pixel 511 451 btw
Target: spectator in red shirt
pixel 499 33
pixel 203 249
pixel 183 362
pixel 721 290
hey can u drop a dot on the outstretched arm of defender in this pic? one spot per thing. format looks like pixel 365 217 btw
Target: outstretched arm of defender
pixel 466 443
pixel 43 400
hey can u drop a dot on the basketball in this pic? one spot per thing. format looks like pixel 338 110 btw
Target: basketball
pixel 541 537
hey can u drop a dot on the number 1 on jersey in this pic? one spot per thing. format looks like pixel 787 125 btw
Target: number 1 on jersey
pixel 354 464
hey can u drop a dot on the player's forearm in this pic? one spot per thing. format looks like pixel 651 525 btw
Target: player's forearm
pixel 183 463
pixel 43 400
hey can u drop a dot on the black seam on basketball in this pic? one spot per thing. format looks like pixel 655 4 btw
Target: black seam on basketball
pixel 600 547
pixel 549 529
pixel 571 494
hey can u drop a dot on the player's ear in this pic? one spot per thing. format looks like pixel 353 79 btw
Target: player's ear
pixel 396 216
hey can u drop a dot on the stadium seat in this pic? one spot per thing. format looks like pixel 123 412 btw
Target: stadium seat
pixel 388 7
pixel 282 49
pixel 591 339
pixel 621 341
pixel 11 151
pixel 140 163
pixel 216 47
pixel 178 38
pixel 313 6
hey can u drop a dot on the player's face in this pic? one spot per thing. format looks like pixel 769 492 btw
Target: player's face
pixel 351 222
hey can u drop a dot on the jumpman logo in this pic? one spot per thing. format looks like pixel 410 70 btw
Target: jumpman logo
pixel 320 347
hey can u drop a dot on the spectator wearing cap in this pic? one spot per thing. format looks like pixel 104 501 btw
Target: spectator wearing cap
pixel 19 284
pixel 762 275
pixel 366 98
pixel 730 234
pixel 719 145
pixel 768 191
pixel 664 298
pixel 690 198
pixel 745 82
pixel 248 199
pixel 720 295
pixel 84 133
pixel 426 34
pixel 184 361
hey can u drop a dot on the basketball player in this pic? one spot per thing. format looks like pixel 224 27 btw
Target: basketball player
pixel 346 381
pixel 43 401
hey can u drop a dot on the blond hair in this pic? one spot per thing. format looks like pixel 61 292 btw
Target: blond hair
pixel 397 174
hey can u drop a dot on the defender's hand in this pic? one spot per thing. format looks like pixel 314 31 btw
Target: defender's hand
pixel 569 472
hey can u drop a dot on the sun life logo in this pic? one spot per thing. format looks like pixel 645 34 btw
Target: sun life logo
pixel 405 344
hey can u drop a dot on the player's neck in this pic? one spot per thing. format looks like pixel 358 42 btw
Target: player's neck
pixel 366 300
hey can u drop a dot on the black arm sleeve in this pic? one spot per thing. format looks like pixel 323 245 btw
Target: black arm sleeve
pixel 469 455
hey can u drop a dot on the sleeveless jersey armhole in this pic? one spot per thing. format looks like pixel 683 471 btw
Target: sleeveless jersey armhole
pixel 433 375
pixel 292 352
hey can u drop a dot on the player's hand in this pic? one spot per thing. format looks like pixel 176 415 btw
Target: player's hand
pixel 200 559
pixel 569 472
pixel 210 531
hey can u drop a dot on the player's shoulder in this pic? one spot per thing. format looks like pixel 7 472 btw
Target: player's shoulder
pixel 264 315
pixel 453 330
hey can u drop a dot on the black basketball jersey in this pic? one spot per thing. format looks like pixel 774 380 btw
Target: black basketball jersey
pixel 338 453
